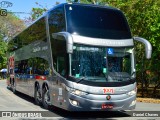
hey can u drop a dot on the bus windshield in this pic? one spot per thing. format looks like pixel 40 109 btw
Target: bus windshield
pixel 96 22
pixel 100 64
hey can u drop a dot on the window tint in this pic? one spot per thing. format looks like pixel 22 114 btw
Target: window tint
pixel 96 22
pixel 60 57
pixel 57 24
pixel 35 32
pixel 56 20
pixel 38 66
pixel 12 46
pixel 21 66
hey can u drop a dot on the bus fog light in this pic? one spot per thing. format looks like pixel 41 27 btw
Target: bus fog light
pixel 74 102
pixel 133 92
pixel 133 103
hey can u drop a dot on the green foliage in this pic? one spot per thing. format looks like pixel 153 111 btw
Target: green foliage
pixel 37 12
pixel 3 50
pixel 10 25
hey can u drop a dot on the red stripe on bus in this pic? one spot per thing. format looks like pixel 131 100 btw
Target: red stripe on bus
pixel 38 77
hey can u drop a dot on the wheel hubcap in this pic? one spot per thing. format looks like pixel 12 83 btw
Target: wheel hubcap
pixel 38 95
pixel 46 97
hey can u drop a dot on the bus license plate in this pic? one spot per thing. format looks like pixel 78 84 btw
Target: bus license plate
pixel 107 106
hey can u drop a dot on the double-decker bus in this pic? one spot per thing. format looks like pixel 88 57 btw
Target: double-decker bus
pixel 77 57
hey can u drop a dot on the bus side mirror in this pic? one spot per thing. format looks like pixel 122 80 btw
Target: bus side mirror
pixel 65 36
pixel 148 46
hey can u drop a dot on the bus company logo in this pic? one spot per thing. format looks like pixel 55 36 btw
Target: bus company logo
pixel 3 12
pixel 108 90
pixel 108 97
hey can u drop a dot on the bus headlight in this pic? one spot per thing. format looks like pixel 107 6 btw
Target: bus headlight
pixel 131 93
pixel 76 92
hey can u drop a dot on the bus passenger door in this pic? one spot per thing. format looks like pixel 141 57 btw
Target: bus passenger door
pixel 58 81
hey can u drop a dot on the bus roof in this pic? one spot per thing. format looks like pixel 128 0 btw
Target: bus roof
pixel 63 4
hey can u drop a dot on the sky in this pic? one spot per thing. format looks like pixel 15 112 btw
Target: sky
pixel 27 5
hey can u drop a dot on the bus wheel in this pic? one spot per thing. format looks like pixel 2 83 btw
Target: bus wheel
pixel 46 98
pixel 37 95
pixel 14 87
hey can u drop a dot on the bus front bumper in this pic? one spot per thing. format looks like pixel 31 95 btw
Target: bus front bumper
pixel 78 103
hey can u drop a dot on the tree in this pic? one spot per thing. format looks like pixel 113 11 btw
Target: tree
pixel 37 12
pixel 3 50
pixel 10 25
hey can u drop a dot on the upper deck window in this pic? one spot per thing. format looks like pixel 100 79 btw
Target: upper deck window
pixel 96 22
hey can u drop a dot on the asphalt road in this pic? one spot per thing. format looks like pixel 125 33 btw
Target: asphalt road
pixel 22 107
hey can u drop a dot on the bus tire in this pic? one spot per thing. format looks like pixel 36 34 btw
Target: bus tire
pixel 37 95
pixel 46 98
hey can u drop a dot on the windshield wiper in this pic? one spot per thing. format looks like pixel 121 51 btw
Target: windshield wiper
pixel 81 79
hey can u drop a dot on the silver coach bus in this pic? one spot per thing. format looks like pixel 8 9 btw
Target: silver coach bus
pixel 77 57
